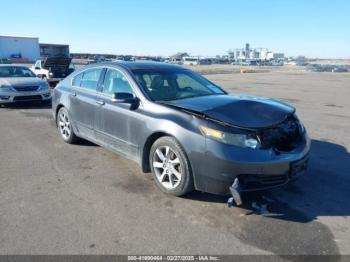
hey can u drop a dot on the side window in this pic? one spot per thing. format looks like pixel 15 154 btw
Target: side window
pixel 116 82
pixel 77 79
pixel 90 79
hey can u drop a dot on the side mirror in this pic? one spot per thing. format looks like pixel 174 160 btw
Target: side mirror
pixel 126 98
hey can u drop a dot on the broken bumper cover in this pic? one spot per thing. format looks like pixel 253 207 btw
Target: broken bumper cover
pixel 255 169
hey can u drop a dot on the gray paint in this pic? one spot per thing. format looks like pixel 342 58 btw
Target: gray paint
pixel 130 130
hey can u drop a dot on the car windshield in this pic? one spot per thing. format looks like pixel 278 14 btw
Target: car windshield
pixel 15 71
pixel 169 84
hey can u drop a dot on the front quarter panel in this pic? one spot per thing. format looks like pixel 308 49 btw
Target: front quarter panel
pixel 60 96
pixel 184 127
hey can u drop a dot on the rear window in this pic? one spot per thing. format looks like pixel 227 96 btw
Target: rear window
pixel 88 79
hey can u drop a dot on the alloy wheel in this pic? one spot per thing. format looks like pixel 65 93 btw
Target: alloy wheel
pixel 167 167
pixel 64 124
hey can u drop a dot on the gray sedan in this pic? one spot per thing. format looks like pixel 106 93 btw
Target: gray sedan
pixel 183 128
pixel 18 83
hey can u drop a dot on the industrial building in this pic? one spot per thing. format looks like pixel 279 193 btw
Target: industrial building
pixel 19 48
pixel 257 54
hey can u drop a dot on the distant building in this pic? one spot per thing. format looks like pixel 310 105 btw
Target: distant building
pixel 178 57
pixel 257 54
pixel 247 51
pixel 278 56
pixel 19 49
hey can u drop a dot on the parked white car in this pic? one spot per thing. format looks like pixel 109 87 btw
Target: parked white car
pixel 53 69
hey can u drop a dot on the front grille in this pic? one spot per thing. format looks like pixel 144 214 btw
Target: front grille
pixel 255 182
pixel 26 88
pixel 298 167
pixel 27 98
pixel 283 137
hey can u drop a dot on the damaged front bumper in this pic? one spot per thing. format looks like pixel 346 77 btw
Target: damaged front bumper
pixel 226 167
pixel 245 183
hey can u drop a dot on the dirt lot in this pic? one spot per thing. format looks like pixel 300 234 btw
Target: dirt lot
pixel 61 199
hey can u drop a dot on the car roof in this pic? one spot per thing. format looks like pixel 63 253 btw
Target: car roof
pixel 144 65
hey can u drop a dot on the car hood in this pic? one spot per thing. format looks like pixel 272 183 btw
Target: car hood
pixel 238 110
pixel 20 81
pixel 57 62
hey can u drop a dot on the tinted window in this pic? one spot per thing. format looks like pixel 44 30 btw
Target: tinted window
pixel 89 79
pixel 77 79
pixel 171 84
pixel 116 82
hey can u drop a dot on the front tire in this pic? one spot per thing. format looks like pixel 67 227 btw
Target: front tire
pixel 170 167
pixel 65 127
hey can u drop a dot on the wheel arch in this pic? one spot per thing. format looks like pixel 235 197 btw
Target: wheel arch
pixel 147 148
pixel 58 107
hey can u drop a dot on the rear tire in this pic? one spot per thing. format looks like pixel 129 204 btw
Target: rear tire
pixel 65 127
pixel 170 167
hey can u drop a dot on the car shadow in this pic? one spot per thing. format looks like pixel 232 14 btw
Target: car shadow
pixel 322 191
pixel 83 142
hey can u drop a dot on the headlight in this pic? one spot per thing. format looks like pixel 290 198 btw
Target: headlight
pixel 44 86
pixel 240 140
pixel 4 88
pixel 301 125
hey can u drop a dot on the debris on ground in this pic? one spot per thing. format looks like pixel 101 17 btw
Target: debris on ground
pixel 260 209
pixel 236 195
pixel 231 203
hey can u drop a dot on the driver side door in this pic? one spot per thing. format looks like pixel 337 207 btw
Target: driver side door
pixel 117 124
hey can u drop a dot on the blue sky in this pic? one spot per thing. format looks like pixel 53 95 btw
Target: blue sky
pixel 201 27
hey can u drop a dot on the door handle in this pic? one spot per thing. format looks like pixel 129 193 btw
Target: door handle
pixel 101 103
pixel 73 94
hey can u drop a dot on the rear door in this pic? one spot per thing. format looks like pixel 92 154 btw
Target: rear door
pixel 83 101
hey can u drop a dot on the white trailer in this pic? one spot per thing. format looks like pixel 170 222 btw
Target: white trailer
pixel 19 47
pixel 49 50
pixel 190 60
